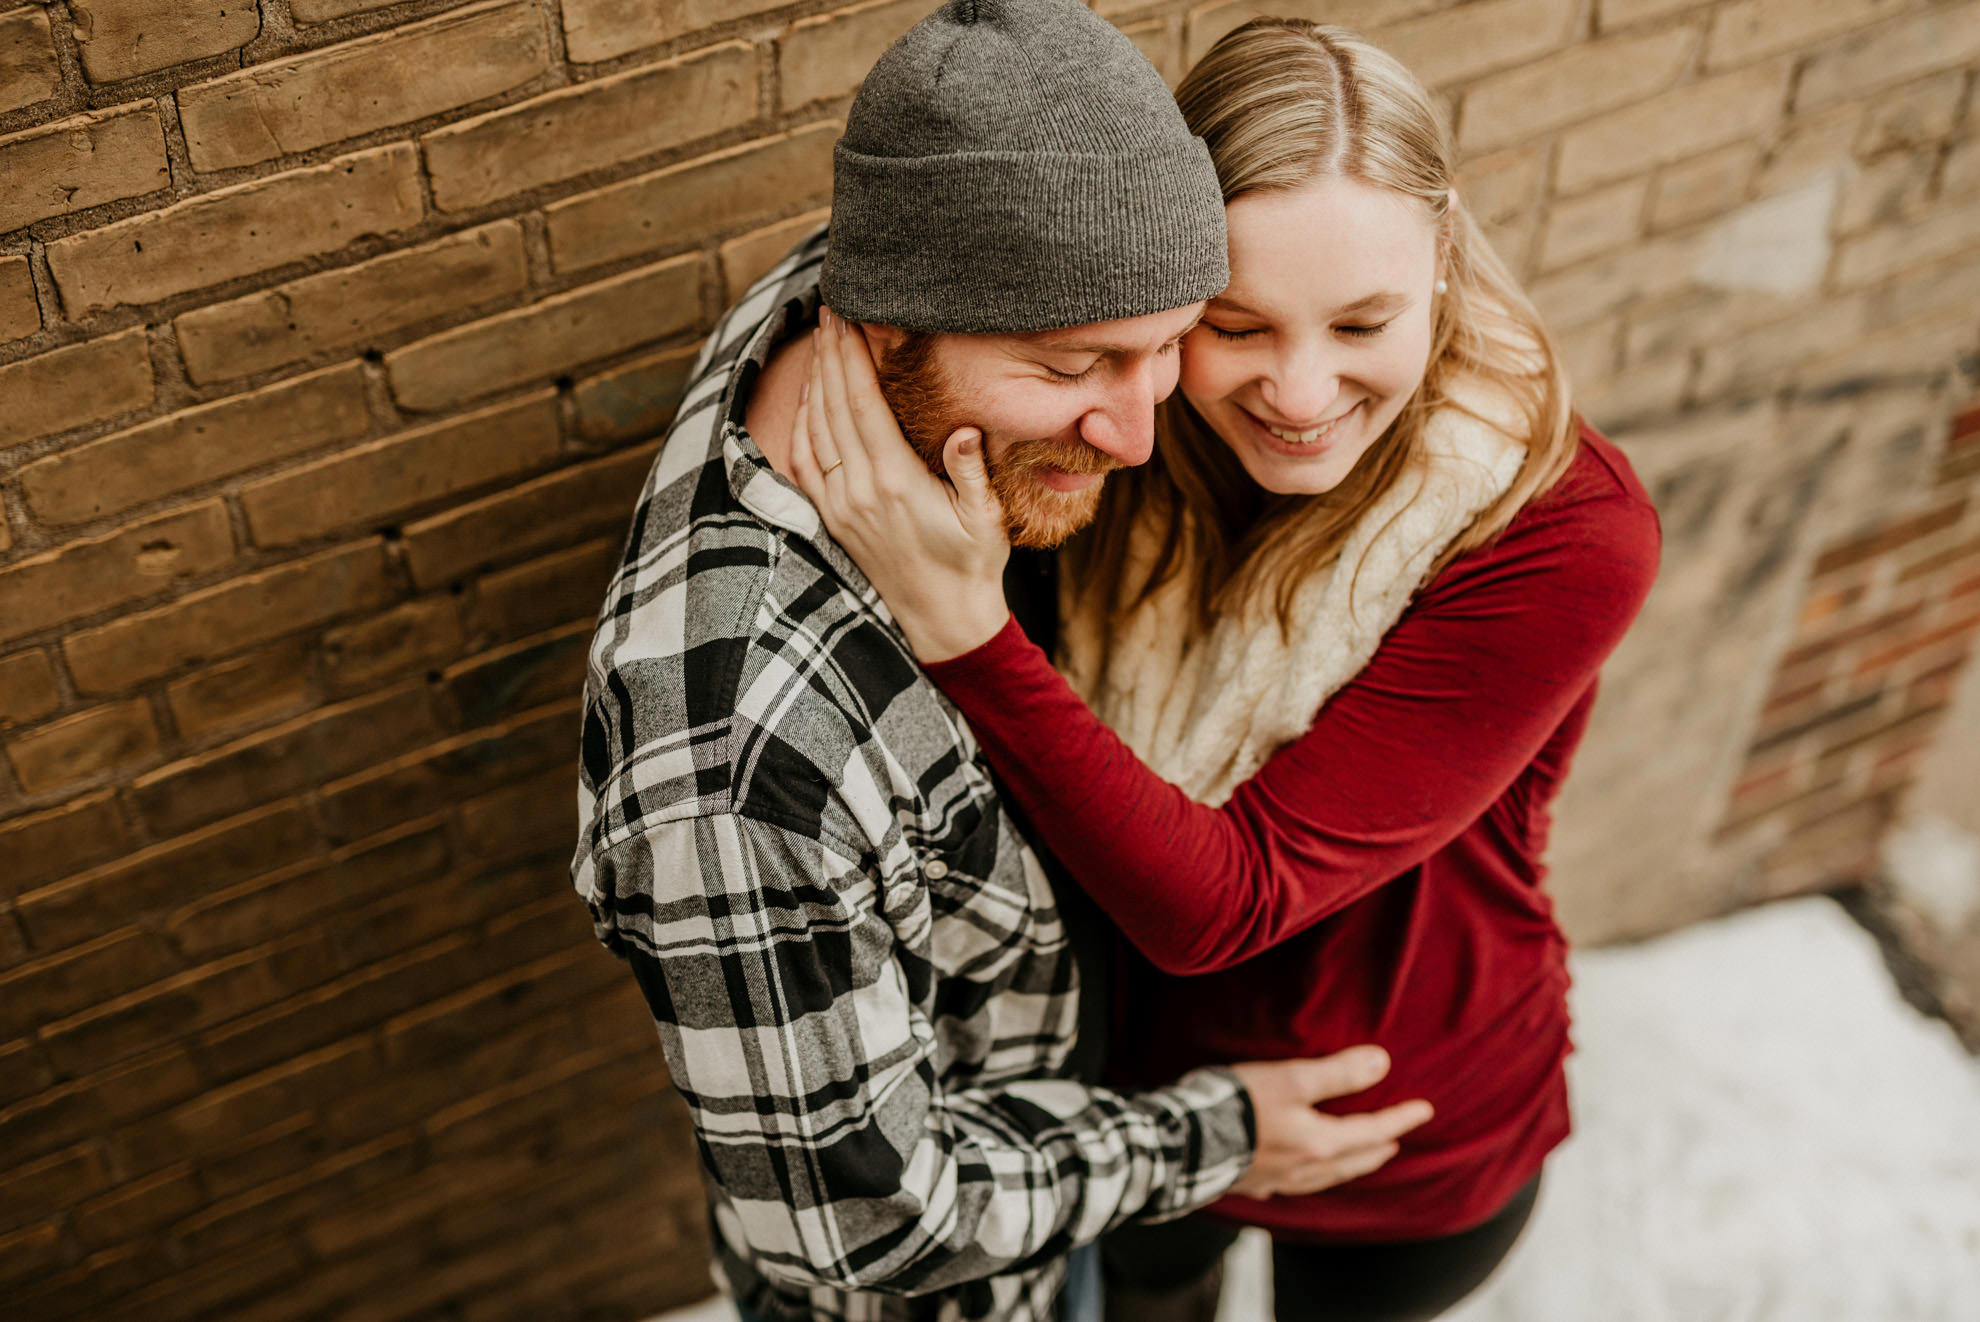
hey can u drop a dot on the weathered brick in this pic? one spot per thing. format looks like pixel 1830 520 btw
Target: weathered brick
pixel 53 1183
pixel 1209 22
pixel 139 1207
pixel 1808 147
pixel 1637 395
pixel 1938 38
pixel 552 511
pixel 74 385
pixel 285 758
pixel 1931 289
pixel 20 310
pixel 94 573
pixel 828 56
pixel 308 101
pixel 124 38
pixel 536 670
pixel 70 980
pixel 1462 43
pixel 252 609
pixel 436 777
pixel 597 30
pixel 265 908
pixel 746 259
pixel 28 1253
pixel 1749 30
pixel 1914 115
pixel 412 636
pixel 1949 228
pixel 354 307
pixel 23 1072
pixel 165 874
pixel 686 203
pixel 1758 358
pixel 60 841
pixel 1703 186
pixel 1571 85
pixel 1610 283
pixel 27 688
pixel 1672 126
pixel 84 745
pixel 1962 172
pixel 327 1184
pixel 29 71
pixel 634 401
pixel 234 232
pixel 210 1290
pixel 244 691
pixel 76 1109
pixel 1156 40
pixel 1892 188
pixel 80 162
pixel 322 11
pixel 196 446
pixel 548 338
pixel 370 482
pixel 1593 222
pixel 554 590
pixel 574 130
pixel 520 820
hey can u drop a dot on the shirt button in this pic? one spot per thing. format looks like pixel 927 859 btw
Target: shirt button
pixel 936 869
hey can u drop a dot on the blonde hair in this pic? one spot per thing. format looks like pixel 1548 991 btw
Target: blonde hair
pixel 1282 103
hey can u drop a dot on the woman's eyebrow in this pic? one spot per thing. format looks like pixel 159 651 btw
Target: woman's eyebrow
pixel 1361 304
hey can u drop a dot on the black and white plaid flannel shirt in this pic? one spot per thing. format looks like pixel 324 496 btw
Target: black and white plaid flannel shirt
pixel 862 983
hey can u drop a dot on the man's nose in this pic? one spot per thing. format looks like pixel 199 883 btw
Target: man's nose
pixel 1301 385
pixel 1123 424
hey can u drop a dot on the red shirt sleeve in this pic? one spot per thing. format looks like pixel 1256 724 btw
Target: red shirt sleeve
pixel 1463 692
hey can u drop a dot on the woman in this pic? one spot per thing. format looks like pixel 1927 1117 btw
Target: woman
pixel 1326 658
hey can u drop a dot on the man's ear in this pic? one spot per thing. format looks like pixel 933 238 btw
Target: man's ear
pixel 881 340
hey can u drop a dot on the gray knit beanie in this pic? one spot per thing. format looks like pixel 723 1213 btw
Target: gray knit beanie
pixel 1017 165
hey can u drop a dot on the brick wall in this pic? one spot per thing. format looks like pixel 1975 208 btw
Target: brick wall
pixel 333 339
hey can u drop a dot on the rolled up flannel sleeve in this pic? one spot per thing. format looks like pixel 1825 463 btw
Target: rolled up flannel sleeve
pixel 794 1017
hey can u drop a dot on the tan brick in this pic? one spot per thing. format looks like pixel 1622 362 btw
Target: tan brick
pixel 29 71
pixel 549 338
pixel 1593 222
pixel 1931 289
pixel 412 636
pixel 1808 146
pixel 124 38
pixel 56 1181
pixel 522 819
pixel 355 306
pixel 597 30
pixel 1571 85
pixel 1761 357
pixel 1611 283
pixel 745 260
pixel 555 510
pixel 1500 189
pixel 138 1207
pixel 1912 116
pixel 686 203
pixel 252 609
pixel 81 162
pixel 27 688
pixel 546 668
pixel 244 691
pixel 1939 38
pixel 553 590
pixel 1753 29
pixel 84 745
pixel 1889 189
pixel 322 11
pixel 574 130
pixel 634 401
pixel 196 446
pixel 1962 172
pixel 1208 23
pixel 375 82
pixel 73 979
pixel 1613 14
pixel 1950 228
pixel 1703 186
pixel 1477 38
pixel 828 56
pixel 95 573
pixel 74 385
pixel 1156 40
pixel 20 310
pixel 166 875
pixel 1672 126
pixel 283 759
pixel 1635 396
pixel 55 843
pixel 370 482
pixel 239 231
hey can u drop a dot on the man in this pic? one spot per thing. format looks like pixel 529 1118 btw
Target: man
pixel 862 979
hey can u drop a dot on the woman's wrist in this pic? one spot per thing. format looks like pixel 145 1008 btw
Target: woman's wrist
pixel 954 629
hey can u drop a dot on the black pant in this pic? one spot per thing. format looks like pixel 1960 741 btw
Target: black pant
pixel 1172 1270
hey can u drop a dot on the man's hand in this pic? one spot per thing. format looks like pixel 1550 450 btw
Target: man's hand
pixel 1302 1149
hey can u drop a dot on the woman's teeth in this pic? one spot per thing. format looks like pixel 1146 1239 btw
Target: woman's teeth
pixel 1302 437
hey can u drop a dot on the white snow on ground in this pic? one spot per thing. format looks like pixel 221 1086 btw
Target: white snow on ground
pixel 1764 1132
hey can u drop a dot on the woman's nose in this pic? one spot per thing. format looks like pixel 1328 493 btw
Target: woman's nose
pixel 1301 387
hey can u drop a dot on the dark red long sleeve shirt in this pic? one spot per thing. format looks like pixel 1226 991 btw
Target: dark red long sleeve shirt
pixel 1378 879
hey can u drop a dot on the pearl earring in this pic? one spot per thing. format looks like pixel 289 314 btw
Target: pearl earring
pixel 1443 286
